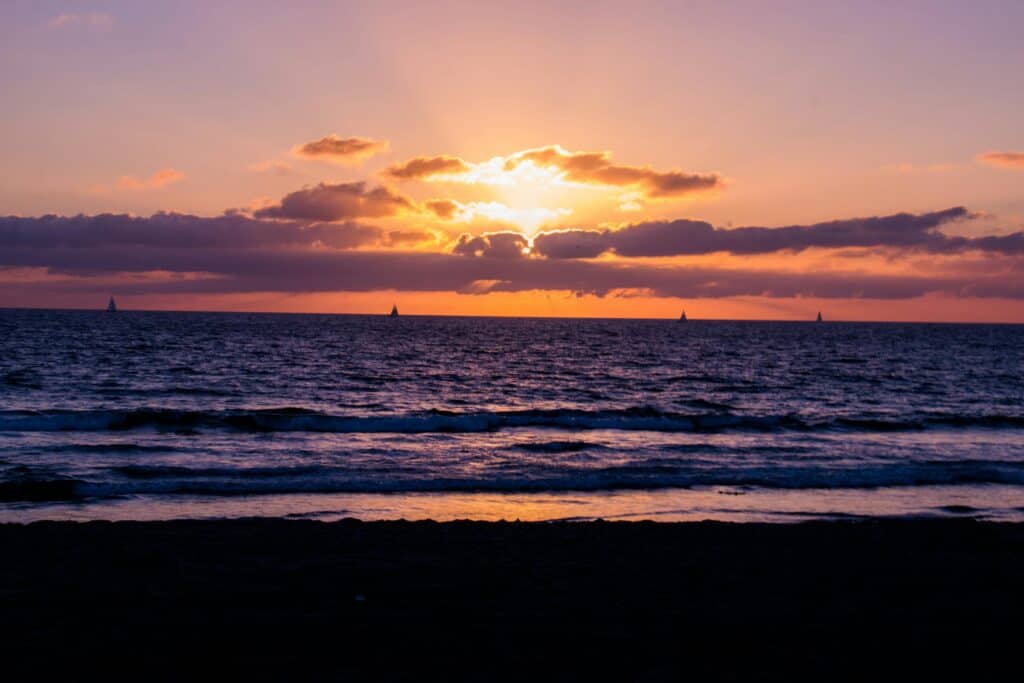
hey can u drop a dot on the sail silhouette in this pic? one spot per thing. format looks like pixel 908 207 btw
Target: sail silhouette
pixel 682 316
pixel 111 306
pixel 819 316
pixel 394 310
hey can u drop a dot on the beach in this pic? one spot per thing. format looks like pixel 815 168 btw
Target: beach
pixel 269 599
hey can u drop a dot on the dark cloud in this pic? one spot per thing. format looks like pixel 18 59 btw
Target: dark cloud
pixel 686 237
pixel 424 167
pixel 443 208
pixel 563 244
pixel 300 271
pixel 682 237
pixel 1003 159
pixel 243 254
pixel 596 168
pixel 492 245
pixel 340 150
pixel 1004 244
pixel 173 230
pixel 327 202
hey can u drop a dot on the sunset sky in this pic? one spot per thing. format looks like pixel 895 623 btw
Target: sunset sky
pixel 736 159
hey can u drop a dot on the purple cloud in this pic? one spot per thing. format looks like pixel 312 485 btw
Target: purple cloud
pixel 493 245
pixel 298 271
pixel 687 237
pixel 333 202
pixel 243 254
pixel 167 230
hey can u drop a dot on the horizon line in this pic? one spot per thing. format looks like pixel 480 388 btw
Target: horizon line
pixel 513 317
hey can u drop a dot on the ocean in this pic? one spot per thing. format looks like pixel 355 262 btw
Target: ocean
pixel 158 415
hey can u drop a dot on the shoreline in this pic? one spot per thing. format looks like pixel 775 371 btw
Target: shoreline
pixel 988 502
pixel 268 598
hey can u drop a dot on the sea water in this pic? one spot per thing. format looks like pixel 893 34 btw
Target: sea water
pixel 151 415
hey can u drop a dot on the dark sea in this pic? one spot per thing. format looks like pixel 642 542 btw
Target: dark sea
pixel 150 415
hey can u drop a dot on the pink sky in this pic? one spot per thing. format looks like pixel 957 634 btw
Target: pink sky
pixel 753 160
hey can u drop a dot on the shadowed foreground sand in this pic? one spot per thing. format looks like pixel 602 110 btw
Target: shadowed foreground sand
pixel 269 599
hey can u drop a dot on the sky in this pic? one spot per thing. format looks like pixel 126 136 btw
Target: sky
pixel 760 160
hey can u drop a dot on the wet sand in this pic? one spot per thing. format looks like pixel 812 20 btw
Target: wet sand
pixel 272 599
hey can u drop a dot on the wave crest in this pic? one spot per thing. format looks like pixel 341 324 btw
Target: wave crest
pixel 436 421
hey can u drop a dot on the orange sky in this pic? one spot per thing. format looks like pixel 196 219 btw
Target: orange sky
pixel 738 162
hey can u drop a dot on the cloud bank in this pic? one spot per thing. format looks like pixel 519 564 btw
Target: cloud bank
pixel 289 248
pixel 232 231
pixel 230 270
pixel 686 237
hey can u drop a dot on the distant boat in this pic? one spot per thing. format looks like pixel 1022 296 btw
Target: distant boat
pixel 682 317
pixel 111 307
pixel 819 316
pixel 394 311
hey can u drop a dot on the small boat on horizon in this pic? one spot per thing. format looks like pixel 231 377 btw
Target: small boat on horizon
pixel 819 317
pixel 111 306
pixel 682 316
pixel 394 311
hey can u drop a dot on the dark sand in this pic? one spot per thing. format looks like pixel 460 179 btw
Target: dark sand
pixel 274 599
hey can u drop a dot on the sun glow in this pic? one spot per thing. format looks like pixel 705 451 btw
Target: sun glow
pixel 495 171
pixel 526 195
pixel 526 218
pixel 523 188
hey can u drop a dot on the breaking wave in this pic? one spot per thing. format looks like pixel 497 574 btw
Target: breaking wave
pixel 630 419
pixel 134 480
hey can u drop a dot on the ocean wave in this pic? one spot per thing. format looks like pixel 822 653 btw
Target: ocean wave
pixel 124 447
pixel 628 419
pixel 559 446
pixel 227 482
pixel 172 471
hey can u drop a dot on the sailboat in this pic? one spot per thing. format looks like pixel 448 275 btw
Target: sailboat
pixel 111 307
pixel 394 310
pixel 682 317
pixel 819 316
